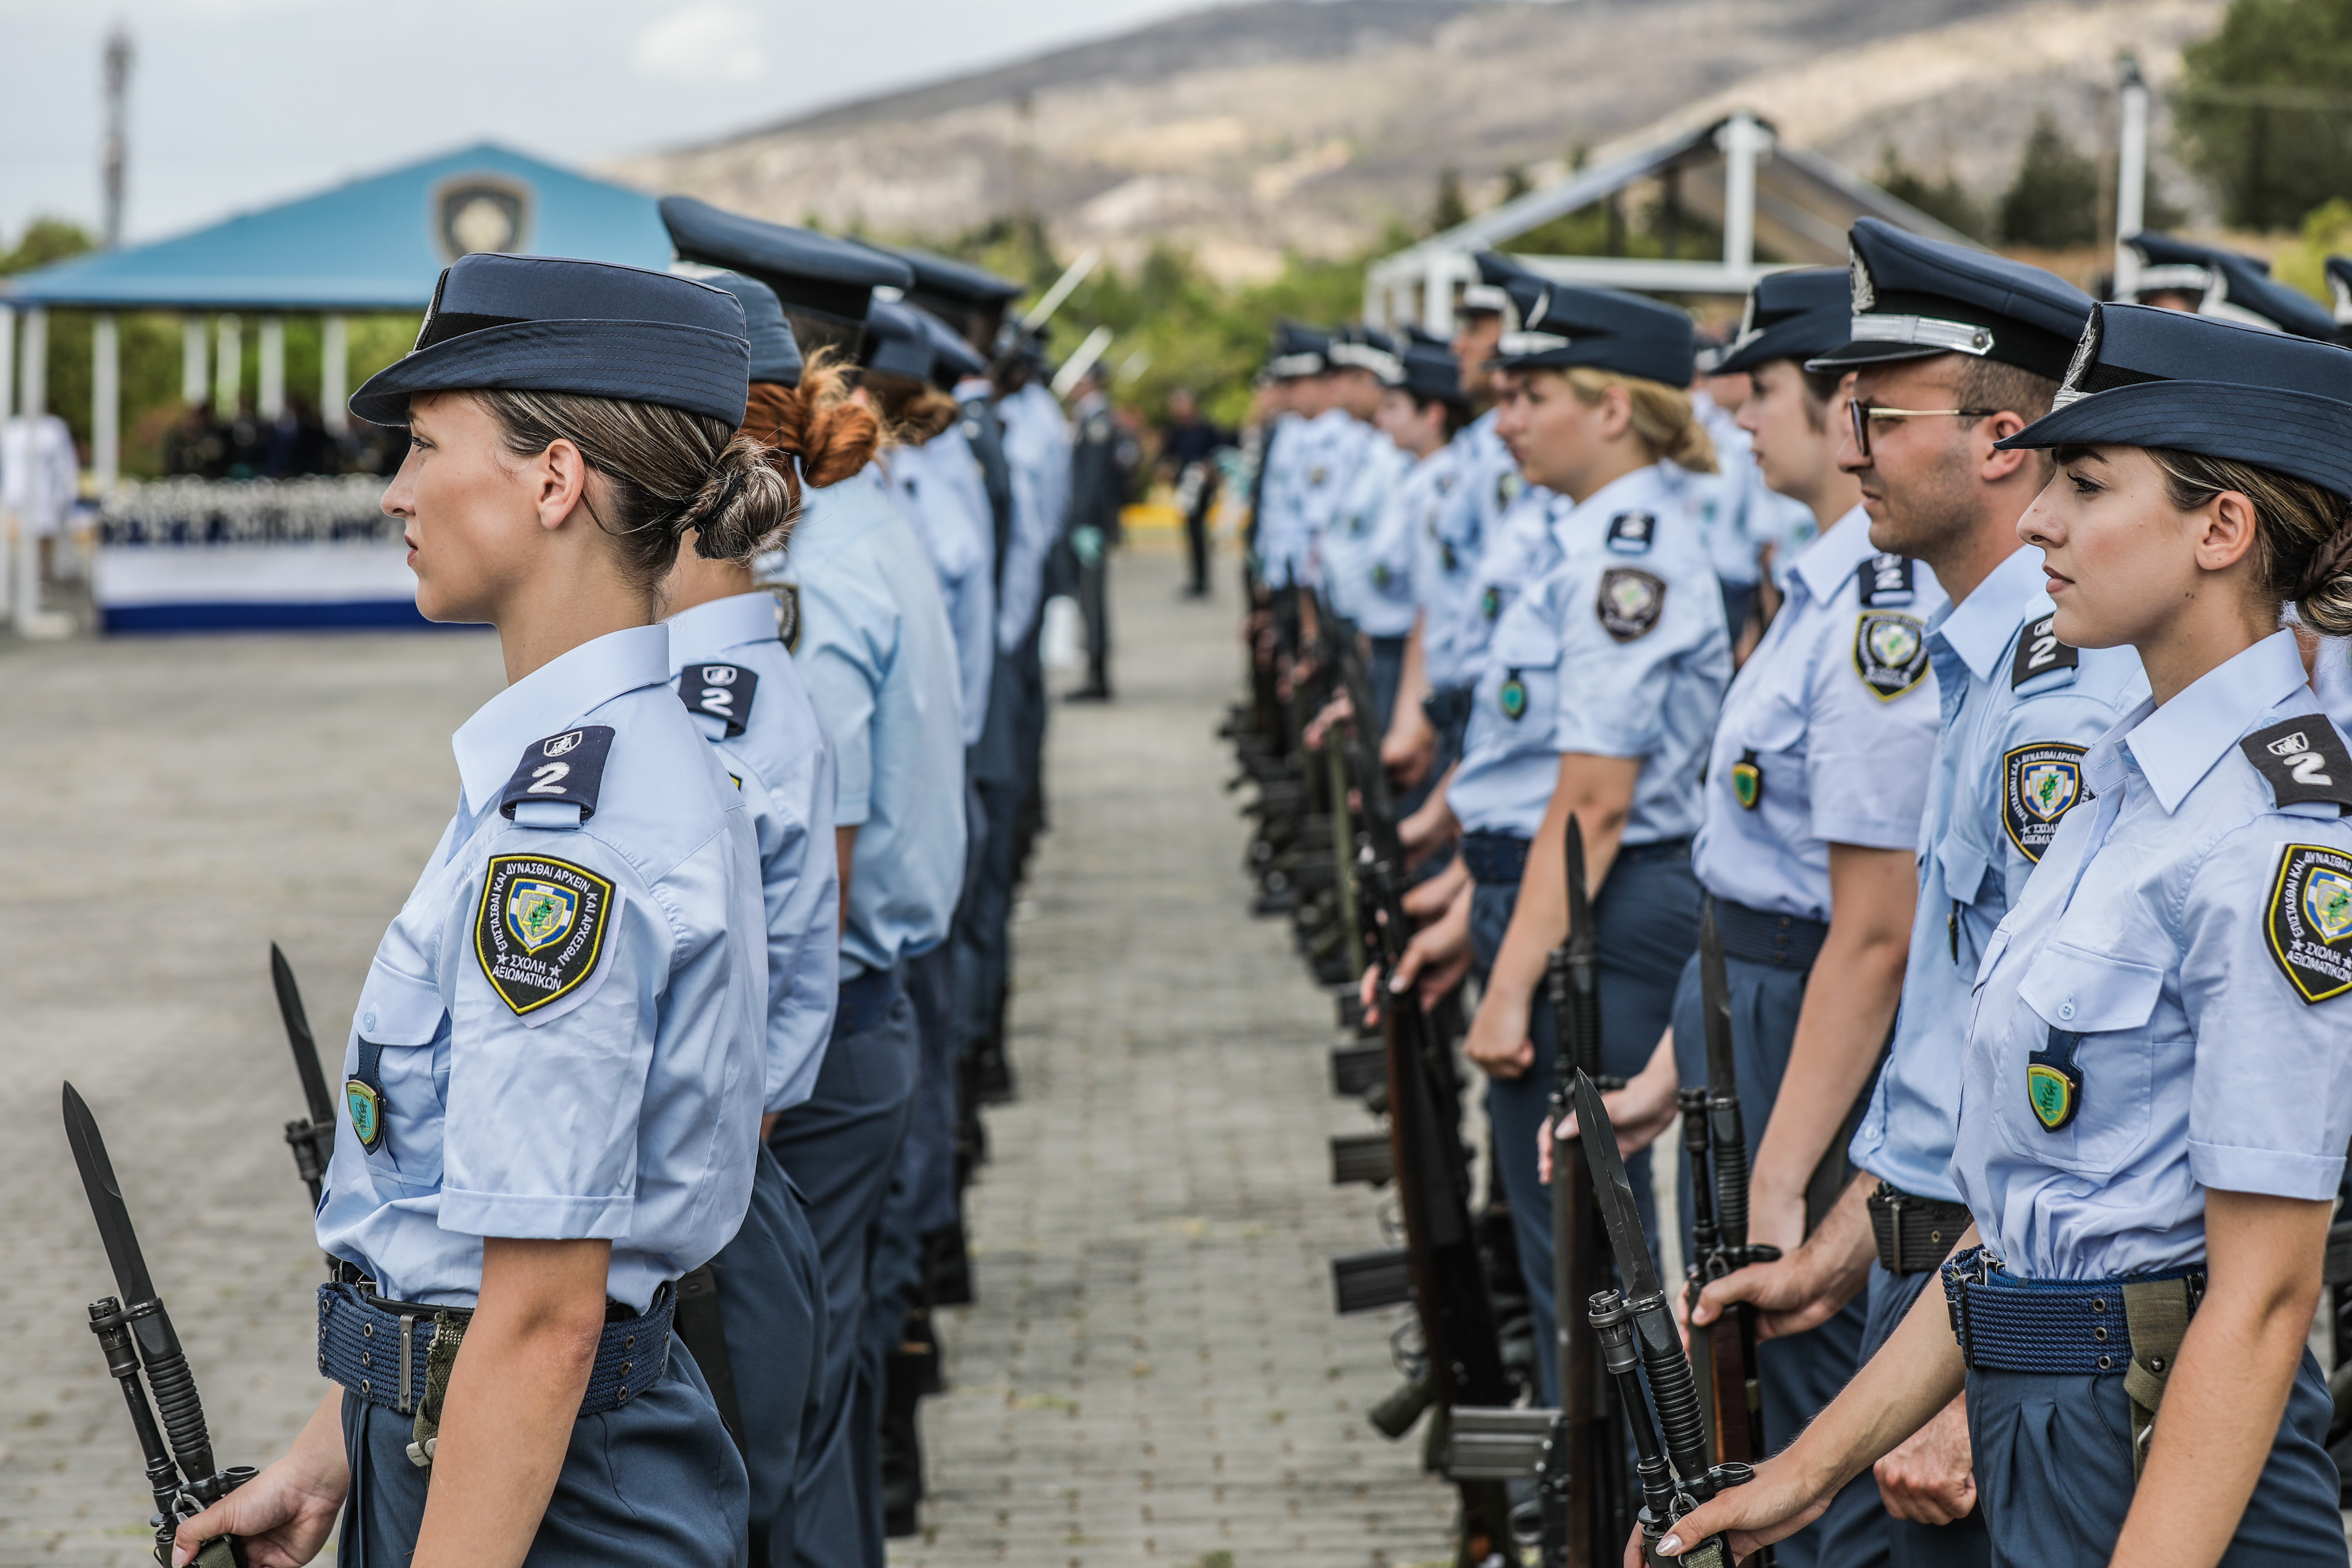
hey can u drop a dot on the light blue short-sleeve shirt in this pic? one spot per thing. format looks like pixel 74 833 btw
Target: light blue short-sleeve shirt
pixel 1827 730
pixel 875 646
pixel 1037 458
pixel 1447 544
pixel 2013 702
pixel 2161 1012
pixel 942 492
pixel 1367 567
pixel 1619 651
pixel 747 696
pixel 562 1033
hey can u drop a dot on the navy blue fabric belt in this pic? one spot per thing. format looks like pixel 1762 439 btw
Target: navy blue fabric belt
pixel 864 1000
pixel 1783 941
pixel 2070 1327
pixel 378 1349
pixel 1498 858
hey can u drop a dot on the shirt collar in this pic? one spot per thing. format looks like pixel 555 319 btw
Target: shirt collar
pixel 1626 490
pixel 1979 627
pixel 2177 744
pixel 1832 557
pixel 709 630
pixel 549 698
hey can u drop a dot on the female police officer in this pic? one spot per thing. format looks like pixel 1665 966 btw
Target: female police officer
pixel 1598 691
pixel 554 1071
pixel 735 675
pixel 2154 1096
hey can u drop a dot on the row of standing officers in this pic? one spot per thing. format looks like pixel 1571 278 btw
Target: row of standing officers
pixel 1836 634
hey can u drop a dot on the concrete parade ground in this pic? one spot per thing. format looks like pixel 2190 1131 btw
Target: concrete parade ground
pixel 1152 1372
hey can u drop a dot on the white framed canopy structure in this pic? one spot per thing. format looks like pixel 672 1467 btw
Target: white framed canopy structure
pixel 1734 172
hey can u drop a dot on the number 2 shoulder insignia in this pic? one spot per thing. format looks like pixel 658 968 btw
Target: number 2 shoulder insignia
pixel 2040 783
pixel 2302 759
pixel 566 767
pixel 540 931
pixel 1890 652
pixel 2039 652
pixel 722 691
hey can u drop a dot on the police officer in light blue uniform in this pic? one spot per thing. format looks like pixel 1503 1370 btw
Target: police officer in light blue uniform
pixel 2152 1209
pixel 747 697
pixel 1814 786
pixel 866 627
pixel 1352 567
pixel 560 1040
pixel 1280 536
pixel 1419 417
pixel 1616 657
pixel 1938 327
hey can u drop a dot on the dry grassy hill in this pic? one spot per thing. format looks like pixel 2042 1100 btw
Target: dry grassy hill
pixel 1246 129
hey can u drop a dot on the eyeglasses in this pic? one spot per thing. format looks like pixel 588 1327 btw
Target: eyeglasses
pixel 1861 414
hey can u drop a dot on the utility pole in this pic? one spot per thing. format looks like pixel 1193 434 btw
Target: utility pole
pixel 2131 172
pixel 118 92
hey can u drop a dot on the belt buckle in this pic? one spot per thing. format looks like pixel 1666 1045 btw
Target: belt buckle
pixel 1895 1217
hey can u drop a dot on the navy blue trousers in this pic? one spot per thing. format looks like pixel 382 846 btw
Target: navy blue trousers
pixel 1387 671
pixel 2053 1464
pixel 998 776
pixel 840 1148
pixel 771 1310
pixel 1964 1542
pixel 1646 921
pixel 654 1480
pixel 1804 1372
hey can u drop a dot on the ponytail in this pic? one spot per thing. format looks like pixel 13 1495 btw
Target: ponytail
pixel 1664 420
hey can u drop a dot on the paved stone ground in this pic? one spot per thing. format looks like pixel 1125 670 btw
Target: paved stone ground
pixel 1152 1372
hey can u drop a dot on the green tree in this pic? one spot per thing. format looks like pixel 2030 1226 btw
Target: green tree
pixel 1449 209
pixel 2054 203
pixel 1947 200
pixel 2262 110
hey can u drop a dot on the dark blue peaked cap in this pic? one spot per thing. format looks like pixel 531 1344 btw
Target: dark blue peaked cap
pixel 945 278
pixel 1559 326
pixel 2149 377
pixel 775 352
pixel 1914 297
pixel 828 278
pixel 1431 373
pixel 2234 287
pixel 538 323
pixel 1797 315
pixel 1367 349
pixel 1298 351
pixel 952 359
pixel 896 343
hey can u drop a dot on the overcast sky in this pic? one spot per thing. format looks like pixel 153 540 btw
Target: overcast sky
pixel 237 104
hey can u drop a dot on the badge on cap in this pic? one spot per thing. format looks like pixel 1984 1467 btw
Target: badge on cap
pixel 2039 652
pixel 2054 1084
pixel 1514 697
pixel 2308 926
pixel 1890 652
pixel 1747 779
pixel 1630 602
pixel 2039 784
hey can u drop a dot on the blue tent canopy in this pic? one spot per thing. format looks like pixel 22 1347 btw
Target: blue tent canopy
pixel 375 244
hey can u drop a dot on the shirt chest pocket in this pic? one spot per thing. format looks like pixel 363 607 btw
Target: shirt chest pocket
pixel 1775 727
pixel 1524 640
pixel 398 1071
pixel 2077 1065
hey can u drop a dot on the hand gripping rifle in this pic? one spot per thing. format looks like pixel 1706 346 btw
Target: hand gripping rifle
pixel 312 1139
pixel 183 1478
pixel 1581 1485
pixel 1431 1168
pixel 1730 1399
pixel 1639 1343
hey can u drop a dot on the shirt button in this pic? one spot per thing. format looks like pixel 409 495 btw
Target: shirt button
pixel 2065 1009
pixel 367 1020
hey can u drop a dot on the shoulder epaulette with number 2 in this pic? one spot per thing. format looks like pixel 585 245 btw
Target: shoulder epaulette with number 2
pixel 2039 652
pixel 565 769
pixel 1883 582
pixel 2303 759
pixel 722 691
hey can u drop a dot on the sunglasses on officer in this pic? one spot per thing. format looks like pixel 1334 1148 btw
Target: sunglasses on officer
pixel 1862 414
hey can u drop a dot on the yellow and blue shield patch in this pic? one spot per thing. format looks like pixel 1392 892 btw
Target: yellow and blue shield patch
pixel 2039 784
pixel 540 913
pixel 1890 652
pixel 2308 925
pixel 539 931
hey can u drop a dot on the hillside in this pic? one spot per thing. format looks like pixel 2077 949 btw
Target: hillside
pixel 1244 130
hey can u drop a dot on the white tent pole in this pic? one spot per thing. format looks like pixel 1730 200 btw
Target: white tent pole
pixel 7 401
pixel 334 372
pixel 230 373
pixel 2131 176
pixel 105 403
pixel 192 358
pixel 1437 295
pixel 272 402
pixel 34 357
pixel 1740 149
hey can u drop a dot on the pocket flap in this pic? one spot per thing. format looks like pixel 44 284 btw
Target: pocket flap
pixel 1964 868
pixel 2087 993
pixel 1525 640
pixel 1775 725
pixel 396 1009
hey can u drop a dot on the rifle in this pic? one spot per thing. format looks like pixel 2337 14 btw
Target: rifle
pixel 312 1139
pixel 183 1479
pixel 1426 1159
pixel 1640 1344
pixel 1730 1399
pixel 1581 1484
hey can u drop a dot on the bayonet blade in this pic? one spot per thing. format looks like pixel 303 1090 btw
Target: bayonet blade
pixel 1613 1191
pixel 106 1203
pixel 299 1036
pixel 1715 997
pixel 1580 899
